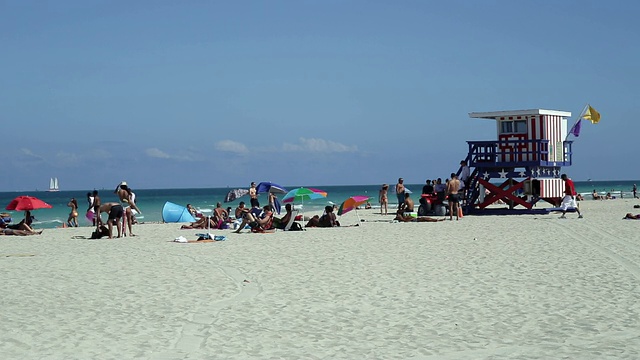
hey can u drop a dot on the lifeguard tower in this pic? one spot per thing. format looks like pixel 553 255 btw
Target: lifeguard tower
pixel 522 166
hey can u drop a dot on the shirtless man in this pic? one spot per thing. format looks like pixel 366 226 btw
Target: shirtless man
pixel 453 186
pixel 253 194
pixel 115 212
pixel 400 192
pixel 406 206
pixel 220 215
pixel 126 199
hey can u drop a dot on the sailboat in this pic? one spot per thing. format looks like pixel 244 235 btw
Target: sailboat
pixel 53 185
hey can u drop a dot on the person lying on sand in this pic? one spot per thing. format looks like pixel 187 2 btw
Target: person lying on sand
pixel 631 216
pixel 19 232
pixel 409 218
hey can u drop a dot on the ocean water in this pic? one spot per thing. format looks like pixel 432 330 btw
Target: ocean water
pixel 151 201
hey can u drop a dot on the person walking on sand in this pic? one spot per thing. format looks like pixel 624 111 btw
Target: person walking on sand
pixel 400 192
pixel 453 186
pixel 384 199
pixel 569 199
pixel 72 221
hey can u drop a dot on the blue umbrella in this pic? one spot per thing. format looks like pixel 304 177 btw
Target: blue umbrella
pixel 270 187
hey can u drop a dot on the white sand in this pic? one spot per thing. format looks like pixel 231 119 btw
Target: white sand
pixel 526 287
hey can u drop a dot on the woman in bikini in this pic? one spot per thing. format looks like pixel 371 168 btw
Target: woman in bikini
pixel 384 200
pixel 72 221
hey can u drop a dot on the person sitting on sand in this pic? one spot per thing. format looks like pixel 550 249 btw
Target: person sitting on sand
pixel 408 218
pixel 596 196
pixel 281 223
pixel 7 230
pixel 632 217
pixel 328 219
pixel 264 223
pixel 22 225
pixel 193 211
pixel 220 215
pixel 201 223
pixel 407 206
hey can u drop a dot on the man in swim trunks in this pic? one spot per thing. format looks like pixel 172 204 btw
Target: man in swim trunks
pixel 400 192
pixel 253 194
pixel 115 212
pixel 453 186
pixel 406 206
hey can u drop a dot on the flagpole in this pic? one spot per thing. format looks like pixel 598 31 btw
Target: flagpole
pixel 584 110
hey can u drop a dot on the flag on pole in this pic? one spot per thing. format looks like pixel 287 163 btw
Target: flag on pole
pixel 575 130
pixel 592 115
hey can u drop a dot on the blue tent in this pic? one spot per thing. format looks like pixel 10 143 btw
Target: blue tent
pixel 176 213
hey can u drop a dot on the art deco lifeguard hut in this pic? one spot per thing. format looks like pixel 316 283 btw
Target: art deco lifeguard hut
pixel 521 167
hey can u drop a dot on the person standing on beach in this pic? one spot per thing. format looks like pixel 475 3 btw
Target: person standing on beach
pixel 453 186
pixel 91 214
pixel 569 199
pixel 96 209
pixel 115 213
pixel 383 198
pixel 400 192
pixel 127 199
pixel 635 191
pixel 253 194
pixel 465 173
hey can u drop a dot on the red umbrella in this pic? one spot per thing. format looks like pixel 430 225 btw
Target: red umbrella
pixel 27 203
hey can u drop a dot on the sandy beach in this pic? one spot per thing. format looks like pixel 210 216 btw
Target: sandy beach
pixel 484 287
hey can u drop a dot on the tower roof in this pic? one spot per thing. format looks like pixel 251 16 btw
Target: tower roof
pixel 498 114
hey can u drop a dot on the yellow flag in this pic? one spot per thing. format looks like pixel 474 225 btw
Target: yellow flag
pixel 592 115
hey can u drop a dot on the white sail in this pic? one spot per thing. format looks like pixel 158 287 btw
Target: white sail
pixel 53 184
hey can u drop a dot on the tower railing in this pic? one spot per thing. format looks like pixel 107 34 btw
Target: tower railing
pixel 518 153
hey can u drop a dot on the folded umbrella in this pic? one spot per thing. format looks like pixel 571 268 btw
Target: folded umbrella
pixel 270 187
pixel 234 194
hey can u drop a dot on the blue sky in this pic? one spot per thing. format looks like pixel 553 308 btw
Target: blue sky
pixel 168 94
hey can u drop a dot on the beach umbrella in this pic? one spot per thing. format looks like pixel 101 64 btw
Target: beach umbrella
pixel 24 202
pixel 301 194
pixel 269 187
pixel 351 204
pixel 276 204
pixel 234 194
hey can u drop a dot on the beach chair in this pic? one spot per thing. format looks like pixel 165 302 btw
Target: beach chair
pixel 294 213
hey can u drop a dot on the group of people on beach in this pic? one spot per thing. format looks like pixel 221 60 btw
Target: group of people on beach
pixel 258 219
pixel 120 214
pixel 22 228
pixel 452 190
